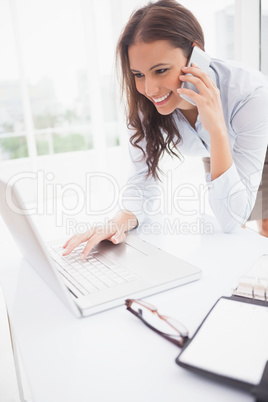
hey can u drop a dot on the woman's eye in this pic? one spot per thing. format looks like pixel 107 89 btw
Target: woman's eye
pixel 163 70
pixel 138 75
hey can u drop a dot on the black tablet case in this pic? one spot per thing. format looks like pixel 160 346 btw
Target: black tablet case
pixel 260 391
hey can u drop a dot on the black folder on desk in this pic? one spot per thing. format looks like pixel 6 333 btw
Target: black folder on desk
pixel 231 344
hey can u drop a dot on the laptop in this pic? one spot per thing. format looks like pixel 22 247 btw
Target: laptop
pixel 110 274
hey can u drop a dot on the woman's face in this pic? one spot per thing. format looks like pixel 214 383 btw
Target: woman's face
pixel 156 67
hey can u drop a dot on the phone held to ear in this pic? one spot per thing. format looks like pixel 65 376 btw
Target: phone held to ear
pixel 202 60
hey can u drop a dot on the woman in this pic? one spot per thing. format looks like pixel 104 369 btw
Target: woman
pixel 228 123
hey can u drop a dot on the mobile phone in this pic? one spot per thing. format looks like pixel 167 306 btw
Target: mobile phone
pixel 202 60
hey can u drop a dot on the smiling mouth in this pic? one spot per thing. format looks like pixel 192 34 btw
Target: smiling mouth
pixel 162 99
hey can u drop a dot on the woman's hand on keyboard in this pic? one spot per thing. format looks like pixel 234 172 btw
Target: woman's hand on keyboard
pixel 115 231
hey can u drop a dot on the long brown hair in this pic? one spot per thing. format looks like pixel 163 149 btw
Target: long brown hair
pixel 162 20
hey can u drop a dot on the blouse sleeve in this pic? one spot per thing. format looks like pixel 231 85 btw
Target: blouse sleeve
pixel 232 195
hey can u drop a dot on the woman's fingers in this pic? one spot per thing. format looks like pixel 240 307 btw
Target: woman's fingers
pixel 197 82
pixel 92 242
pixel 208 100
pixel 199 79
pixel 108 232
pixel 188 92
pixel 75 241
pixel 198 73
pixel 67 242
pixel 95 239
pixel 118 237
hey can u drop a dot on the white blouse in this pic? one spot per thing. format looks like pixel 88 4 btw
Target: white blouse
pixel 244 96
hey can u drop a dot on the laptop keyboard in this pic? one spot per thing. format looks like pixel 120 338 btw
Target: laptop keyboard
pixel 89 275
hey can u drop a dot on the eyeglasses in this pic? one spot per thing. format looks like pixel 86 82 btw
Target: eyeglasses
pixel 169 328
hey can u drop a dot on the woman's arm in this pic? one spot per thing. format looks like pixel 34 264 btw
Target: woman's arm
pixel 209 106
pixel 236 174
pixel 137 198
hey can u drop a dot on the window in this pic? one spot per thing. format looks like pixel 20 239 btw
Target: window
pixel 55 68
pixel 60 89
pixel 219 32
pixel 13 142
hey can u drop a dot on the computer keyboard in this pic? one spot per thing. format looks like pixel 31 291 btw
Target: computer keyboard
pixel 89 275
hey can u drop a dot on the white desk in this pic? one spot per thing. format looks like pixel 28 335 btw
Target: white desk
pixel 112 356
